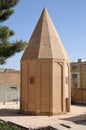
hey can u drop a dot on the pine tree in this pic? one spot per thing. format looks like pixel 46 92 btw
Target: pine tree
pixel 7 48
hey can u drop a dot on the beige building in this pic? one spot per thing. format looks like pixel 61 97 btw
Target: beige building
pixel 45 70
pixel 9 85
pixel 78 81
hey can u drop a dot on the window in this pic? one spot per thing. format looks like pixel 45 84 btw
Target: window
pixel 74 67
pixel 74 75
pixel 32 80
pixel 75 85
pixel 15 88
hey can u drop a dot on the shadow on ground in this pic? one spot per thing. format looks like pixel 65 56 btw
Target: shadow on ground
pixel 10 112
pixel 80 119
pixel 82 122
pixel 77 119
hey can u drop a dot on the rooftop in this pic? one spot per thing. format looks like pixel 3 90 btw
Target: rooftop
pixel 45 41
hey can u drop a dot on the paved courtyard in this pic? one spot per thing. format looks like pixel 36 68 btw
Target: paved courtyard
pixel 75 120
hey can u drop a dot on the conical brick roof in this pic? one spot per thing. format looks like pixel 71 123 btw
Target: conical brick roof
pixel 45 41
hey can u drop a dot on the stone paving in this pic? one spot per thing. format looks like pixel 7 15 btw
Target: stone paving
pixel 75 120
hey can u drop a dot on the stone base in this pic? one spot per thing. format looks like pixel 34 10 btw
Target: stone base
pixel 42 113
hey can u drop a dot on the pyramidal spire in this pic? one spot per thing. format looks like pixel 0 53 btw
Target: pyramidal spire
pixel 45 41
pixel 44 9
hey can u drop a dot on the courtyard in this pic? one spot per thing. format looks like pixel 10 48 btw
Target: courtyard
pixel 76 119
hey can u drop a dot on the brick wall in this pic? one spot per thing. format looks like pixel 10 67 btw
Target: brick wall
pixel 10 78
pixel 78 95
pixel 9 85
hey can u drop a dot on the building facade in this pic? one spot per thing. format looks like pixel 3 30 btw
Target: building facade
pixel 45 71
pixel 78 81
pixel 9 85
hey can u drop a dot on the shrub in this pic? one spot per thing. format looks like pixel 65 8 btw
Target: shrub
pixel 5 126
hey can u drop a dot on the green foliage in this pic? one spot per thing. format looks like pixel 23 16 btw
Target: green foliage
pixel 5 33
pixel 7 48
pixel 5 126
pixel 6 9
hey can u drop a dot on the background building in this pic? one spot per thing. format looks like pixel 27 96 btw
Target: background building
pixel 78 81
pixel 9 85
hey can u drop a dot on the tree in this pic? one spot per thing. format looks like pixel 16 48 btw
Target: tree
pixel 7 48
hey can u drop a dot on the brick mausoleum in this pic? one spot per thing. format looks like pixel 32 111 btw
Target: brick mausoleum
pixel 45 70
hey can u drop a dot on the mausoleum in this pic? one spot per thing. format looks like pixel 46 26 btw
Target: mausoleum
pixel 45 71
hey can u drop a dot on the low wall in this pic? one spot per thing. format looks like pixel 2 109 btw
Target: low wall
pixel 9 95
pixel 9 85
pixel 78 95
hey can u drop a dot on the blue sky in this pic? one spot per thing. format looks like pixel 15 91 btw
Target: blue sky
pixel 68 16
